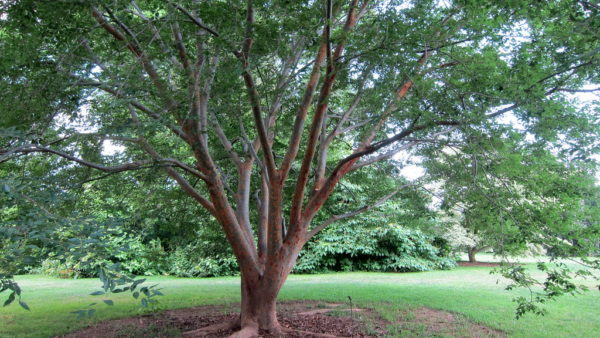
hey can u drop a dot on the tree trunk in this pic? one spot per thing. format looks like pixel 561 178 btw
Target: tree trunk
pixel 472 252
pixel 258 310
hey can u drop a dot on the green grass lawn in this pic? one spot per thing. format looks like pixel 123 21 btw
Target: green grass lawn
pixel 471 292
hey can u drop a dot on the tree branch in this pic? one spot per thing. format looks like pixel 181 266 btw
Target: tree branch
pixel 141 107
pixel 361 210
pixel 183 183
pixel 317 122
pixel 263 137
pixel 137 51
pixel 195 20
pixel 225 140
pixel 42 149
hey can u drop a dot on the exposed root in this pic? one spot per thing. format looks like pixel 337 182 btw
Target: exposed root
pixel 246 332
pixel 212 329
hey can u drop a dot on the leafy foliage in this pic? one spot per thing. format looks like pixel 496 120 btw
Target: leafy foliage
pixel 194 261
pixel 386 247
pixel 14 291
pixel 557 283
pixel 113 281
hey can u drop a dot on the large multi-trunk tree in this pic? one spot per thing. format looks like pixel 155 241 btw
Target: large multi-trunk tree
pixel 257 109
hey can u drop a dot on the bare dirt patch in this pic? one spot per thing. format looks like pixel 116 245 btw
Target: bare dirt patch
pixel 429 322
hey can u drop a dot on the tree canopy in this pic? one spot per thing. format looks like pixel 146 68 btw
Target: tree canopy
pixel 258 110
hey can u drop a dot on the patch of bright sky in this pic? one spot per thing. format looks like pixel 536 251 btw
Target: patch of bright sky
pixel 82 125
pixel 412 171
pixel 519 33
pixel 109 148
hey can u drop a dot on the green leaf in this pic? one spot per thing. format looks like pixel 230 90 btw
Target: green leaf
pixel 136 295
pixel 144 302
pixel 24 305
pixel 137 282
pixel 97 293
pixel 79 313
pixel 10 299
pixel 108 302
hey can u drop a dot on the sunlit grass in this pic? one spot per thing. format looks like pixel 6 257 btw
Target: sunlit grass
pixel 472 292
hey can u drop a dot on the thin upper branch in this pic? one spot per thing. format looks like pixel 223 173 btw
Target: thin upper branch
pixel 311 85
pixel 225 140
pixel 358 211
pixel 138 105
pixel 43 149
pixel 253 95
pixel 195 20
pixel 135 48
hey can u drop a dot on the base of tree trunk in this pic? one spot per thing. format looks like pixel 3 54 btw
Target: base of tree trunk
pixel 249 331
pixel 472 254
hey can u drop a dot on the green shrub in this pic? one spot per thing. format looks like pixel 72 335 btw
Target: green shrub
pixel 141 258
pixel 55 268
pixel 84 251
pixel 191 261
pixel 388 248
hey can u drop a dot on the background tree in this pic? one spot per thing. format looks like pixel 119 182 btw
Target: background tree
pixel 239 102
pixel 498 189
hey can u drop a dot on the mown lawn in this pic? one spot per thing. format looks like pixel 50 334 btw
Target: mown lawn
pixel 471 292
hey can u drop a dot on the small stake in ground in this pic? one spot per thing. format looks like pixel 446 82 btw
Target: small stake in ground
pixel 351 310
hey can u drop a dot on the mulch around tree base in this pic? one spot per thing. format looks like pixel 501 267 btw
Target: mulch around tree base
pixel 306 316
pixel 323 319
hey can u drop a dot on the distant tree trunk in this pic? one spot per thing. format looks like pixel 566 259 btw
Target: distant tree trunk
pixel 472 252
